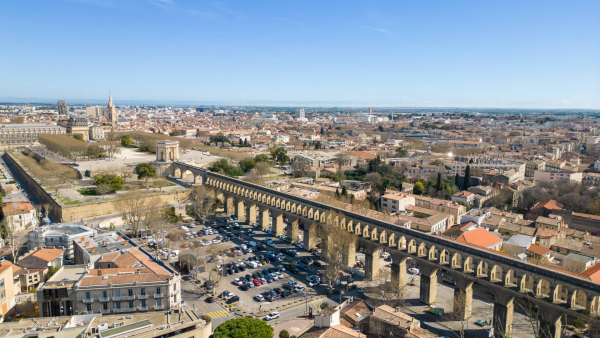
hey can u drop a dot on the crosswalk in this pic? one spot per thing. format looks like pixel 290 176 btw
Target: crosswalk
pixel 217 314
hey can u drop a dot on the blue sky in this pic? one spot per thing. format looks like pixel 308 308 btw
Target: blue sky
pixel 314 53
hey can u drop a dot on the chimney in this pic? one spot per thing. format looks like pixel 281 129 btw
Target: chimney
pixel 87 243
pixel 119 238
pixel 93 249
pixel 125 242
pixel 83 239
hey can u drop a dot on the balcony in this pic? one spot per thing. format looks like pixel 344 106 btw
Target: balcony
pixel 158 295
pixel 87 312
pixel 105 310
pixel 143 297
pixel 104 299
pixel 88 300
pixel 124 309
pixel 143 308
pixel 159 307
pixel 123 298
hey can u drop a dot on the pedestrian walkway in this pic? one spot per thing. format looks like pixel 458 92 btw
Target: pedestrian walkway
pixel 218 314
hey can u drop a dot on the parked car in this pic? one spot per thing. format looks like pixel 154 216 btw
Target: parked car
pixel 233 299
pixel 259 298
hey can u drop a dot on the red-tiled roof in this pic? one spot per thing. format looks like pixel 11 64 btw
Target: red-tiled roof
pixel 480 237
pixel 47 254
pixel 536 249
pixel 549 204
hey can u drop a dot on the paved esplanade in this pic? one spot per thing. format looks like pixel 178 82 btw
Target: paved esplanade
pixel 548 292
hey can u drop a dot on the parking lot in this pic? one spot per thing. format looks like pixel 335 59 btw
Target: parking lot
pixel 250 263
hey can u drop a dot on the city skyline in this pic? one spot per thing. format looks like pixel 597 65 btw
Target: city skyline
pixel 464 55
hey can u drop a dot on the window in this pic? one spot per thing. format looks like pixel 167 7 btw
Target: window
pixel 158 291
pixel 117 293
pixel 174 287
pixel 88 307
pixel 87 295
pixel 143 303
pixel 130 304
pixel 105 306
pixel 118 305
pixel 143 291
pixel 130 292
pixel 104 294
pixel 159 302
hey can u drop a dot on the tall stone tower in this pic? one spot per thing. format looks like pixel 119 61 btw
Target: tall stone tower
pixel 111 112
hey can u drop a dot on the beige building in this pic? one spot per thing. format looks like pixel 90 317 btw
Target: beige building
pixel 534 165
pixel 96 133
pixel 20 215
pixel 7 288
pixel 396 202
pixel 448 207
pixel 24 134
pixel 79 125
pixel 553 176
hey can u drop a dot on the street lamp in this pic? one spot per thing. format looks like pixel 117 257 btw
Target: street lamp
pixel 306 299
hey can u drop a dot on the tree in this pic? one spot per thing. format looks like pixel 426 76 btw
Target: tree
pixel 317 145
pixel 284 334
pixel 126 140
pixel 145 170
pixel 198 133
pixel 17 120
pixel 279 156
pixel 103 189
pixel 9 233
pixel 341 159
pixel 402 152
pixel 418 188
pixel 78 137
pixel 176 133
pixel 322 130
pixel 438 185
pixel 374 179
pixel 456 180
pixel 51 271
pixel 336 241
pixel 114 181
pixel 224 167
pixel 133 208
pixel 247 164
pixel 337 193
pixel 219 138
pixel 244 328
pixel 262 168
pixel 388 289
pixel 467 182
pixel 160 183
pixel 261 158
pixel 203 202
pixel 344 191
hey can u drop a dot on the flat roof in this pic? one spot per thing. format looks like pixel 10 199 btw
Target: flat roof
pixel 68 273
pixel 144 324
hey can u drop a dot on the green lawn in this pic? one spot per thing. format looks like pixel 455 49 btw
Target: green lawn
pixel 171 184
pixel 87 192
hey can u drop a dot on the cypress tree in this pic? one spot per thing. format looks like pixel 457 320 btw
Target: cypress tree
pixel 456 181
pixel 344 191
pixel 467 177
pixel 439 182
pixel 337 193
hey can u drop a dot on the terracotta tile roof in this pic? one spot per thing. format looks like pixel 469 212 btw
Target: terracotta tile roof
pixel 480 237
pixel 539 250
pixel 15 208
pixel 593 273
pixel 126 271
pixel 549 204
pixel 47 254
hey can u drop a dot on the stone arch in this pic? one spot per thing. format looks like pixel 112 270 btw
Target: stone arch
pixel 411 246
pixel 349 226
pixel 432 253
pixel 457 261
pixel 293 208
pixel 323 217
pixel 305 212
pixel 278 204
pixel 365 232
pixel 510 279
pixel 374 234
pixel 343 222
pixel 560 294
pixel 177 172
pixel 542 289
pixel 392 240
pixel 593 306
pixel 316 215
pixel 444 257
pixel 496 274
pixel 468 265
pixel 527 283
pixel 197 179
pixel 357 229
pixel 421 252
pixel 482 269
pixel 402 243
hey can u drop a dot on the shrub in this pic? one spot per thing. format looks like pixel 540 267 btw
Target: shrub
pixel 578 323
pixel 114 181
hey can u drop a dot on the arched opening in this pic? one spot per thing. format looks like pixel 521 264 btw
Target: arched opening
pixel 542 289
pixel 412 246
pixel 444 257
pixel 527 284
pixel 468 265
pixel 422 250
pixel 432 255
pixel 510 280
pixel 482 269
pixel 560 294
pixel 496 274
pixel 457 261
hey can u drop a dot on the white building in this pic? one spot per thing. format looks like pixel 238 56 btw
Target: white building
pixel 58 235
pixel 597 166
pixel 475 216
pixel 20 215
pixel 396 202
pixel 300 115
pixel 282 138
pixel 557 175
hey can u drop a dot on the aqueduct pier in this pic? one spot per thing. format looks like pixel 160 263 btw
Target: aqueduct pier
pixel 550 293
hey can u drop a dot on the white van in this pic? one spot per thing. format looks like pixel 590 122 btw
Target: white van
pixel 252 244
pixel 253 264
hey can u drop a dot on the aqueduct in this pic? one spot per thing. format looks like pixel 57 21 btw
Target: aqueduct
pixel 551 293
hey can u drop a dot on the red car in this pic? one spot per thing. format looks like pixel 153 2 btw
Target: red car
pixel 256 282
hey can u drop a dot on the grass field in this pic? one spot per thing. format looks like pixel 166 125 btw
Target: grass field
pixel 87 192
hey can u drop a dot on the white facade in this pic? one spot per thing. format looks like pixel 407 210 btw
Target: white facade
pixel 394 203
pixel 553 176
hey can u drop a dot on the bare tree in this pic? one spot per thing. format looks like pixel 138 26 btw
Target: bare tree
pixel 160 183
pixel 11 237
pixel 336 241
pixel 388 289
pixel 373 179
pixel 203 202
pixel 341 159
pixel 103 189
pixel 132 207
pixel 262 168
pixel 532 316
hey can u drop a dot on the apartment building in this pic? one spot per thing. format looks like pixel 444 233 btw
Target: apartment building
pixel 448 207
pixel 20 215
pixel 488 164
pixel 591 179
pixel 96 133
pixel 396 202
pixel 532 166
pixel 24 134
pixel 556 175
pixel 121 282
